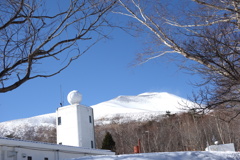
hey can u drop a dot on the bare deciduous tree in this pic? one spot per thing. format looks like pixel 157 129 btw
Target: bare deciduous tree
pixel 179 132
pixel 204 31
pixel 31 37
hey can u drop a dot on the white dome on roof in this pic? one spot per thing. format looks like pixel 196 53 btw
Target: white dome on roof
pixel 74 97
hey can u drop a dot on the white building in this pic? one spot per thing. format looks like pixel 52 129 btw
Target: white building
pixel 75 124
pixel 11 149
pixel 75 137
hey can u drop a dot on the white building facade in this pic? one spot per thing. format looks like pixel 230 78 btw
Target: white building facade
pixel 75 126
pixel 11 149
pixel 75 123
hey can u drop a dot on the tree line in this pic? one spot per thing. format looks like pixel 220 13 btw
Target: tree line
pixel 172 132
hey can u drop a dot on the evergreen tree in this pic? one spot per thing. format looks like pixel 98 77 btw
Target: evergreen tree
pixel 108 142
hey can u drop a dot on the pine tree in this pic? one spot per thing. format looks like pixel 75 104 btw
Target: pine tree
pixel 108 142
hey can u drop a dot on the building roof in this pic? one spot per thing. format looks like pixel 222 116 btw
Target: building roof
pixel 51 146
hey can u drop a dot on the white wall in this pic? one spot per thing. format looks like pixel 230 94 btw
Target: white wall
pixel 17 153
pixel 75 128
pixel 67 132
pixel 86 129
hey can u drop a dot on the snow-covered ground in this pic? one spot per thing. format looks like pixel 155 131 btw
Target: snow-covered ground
pixel 196 155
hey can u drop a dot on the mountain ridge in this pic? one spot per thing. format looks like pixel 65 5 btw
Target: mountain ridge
pixel 144 102
pixel 141 107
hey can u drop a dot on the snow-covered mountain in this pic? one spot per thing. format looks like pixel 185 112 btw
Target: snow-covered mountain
pixel 20 127
pixel 44 120
pixel 140 107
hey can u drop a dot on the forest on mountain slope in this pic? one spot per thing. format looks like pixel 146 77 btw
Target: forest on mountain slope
pixel 187 131
pixel 173 132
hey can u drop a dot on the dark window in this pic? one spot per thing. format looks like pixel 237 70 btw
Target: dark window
pixel 92 144
pixel 59 121
pixel 90 119
pixel 29 158
pixel 45 158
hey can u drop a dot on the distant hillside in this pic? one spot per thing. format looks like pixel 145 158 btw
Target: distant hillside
pixel 141 107
pixel 145 102
pixel 40 128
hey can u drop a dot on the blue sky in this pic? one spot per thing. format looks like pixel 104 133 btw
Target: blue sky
pixel 101 74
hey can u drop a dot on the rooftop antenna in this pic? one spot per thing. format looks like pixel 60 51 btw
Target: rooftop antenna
pixel 61 96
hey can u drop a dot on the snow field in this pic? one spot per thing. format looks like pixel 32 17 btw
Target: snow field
pixel 196 155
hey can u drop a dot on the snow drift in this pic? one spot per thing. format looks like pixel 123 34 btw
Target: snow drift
pixel 197 155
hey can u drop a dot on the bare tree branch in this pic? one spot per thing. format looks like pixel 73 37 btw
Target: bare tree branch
pixel 204 31
pixel 29 36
